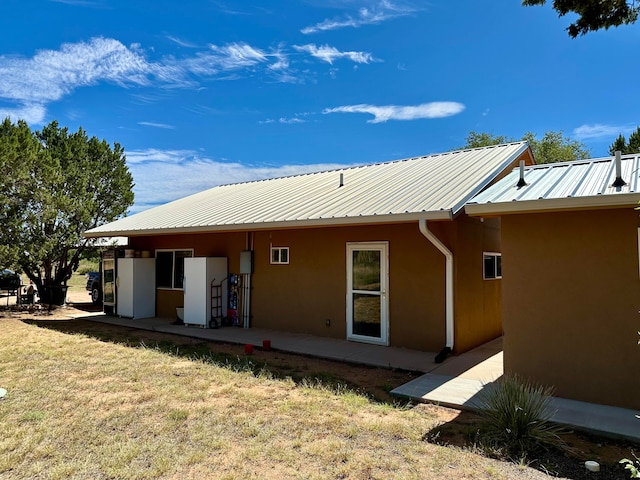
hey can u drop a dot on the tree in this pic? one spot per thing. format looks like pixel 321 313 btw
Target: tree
pixel 552 147
pixel 621 144
pixel 593 14
pixel 19 149
pixel 64 183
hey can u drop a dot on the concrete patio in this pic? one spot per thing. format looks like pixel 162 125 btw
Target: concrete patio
pixel 457 382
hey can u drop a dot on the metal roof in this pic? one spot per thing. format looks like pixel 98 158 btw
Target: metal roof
pixel 431 187
pixel 560 186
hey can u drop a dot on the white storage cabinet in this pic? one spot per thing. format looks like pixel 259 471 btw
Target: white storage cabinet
pixel 136 287
pixel 199 274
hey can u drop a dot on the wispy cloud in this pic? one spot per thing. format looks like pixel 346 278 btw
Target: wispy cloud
pixel 181 42
pixel 585 132
pixel 196 173
pixel 28 85
pixel 292 120
pixel 384 113
pixel 29 112
pixel 157 125
pixel 51 74
pixel 377 13
pixel 329 54
pixel 79 3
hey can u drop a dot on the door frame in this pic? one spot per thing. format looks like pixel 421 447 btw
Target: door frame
pixel 383 248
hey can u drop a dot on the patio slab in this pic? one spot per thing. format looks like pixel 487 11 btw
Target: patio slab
pixel 321 347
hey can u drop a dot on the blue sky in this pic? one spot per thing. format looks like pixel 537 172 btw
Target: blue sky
pixel 201 93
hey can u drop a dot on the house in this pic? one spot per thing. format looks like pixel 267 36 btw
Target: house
pixel 570 275
pixel 380 253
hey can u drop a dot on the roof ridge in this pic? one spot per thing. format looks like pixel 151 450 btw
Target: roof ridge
pixel 580 161
pixel 364 165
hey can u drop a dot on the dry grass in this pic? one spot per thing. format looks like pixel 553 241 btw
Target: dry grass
pixel 80 408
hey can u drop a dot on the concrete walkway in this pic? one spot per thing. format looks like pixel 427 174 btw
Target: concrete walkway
pixel 460 381
pixel 457 382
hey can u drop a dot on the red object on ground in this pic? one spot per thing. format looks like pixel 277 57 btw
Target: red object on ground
pixel 266 345
pixel 248 349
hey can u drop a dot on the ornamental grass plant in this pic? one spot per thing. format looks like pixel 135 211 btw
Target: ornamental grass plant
pixel 516 415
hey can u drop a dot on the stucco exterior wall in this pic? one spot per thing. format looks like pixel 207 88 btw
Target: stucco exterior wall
pixel 478 314
pixel 308 295
pixel 311 289
pixel 571 295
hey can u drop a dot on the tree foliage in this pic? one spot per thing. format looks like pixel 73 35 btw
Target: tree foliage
pixel 58 185
pixel 593 14
pixel 621 143
pixel 552 147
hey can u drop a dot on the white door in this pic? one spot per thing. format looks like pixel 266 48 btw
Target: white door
pixel 367 292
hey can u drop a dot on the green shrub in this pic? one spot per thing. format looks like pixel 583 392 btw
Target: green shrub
pixel 87 266
pixel 517 416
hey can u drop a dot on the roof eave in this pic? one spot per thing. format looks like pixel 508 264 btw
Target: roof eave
pixel 553 204
pixel 287 224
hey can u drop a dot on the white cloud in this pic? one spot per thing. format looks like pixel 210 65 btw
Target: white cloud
pixel 185 173
pixel 28 85
pixel 383 10
pixel 401 112
pixel 28 113
pixel 157 125
pixel 51 74
pixel 329 54
pixel 598 130
pixel 182 43
pixel 291 120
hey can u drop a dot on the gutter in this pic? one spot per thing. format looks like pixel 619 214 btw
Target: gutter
pixel 424 229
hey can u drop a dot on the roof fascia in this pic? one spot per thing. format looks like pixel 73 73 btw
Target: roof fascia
pixel 322 222
pixel 553 204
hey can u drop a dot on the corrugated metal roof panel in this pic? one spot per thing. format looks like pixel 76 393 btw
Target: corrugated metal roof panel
pixel 583 179
pixel 433 184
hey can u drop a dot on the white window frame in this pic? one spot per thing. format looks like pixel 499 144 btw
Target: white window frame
pixel 495 256
pixel 279 250
pixel 173 265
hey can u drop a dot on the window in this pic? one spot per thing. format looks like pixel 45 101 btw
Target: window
pixel 492 265
pixel 279 255
pixel 170 267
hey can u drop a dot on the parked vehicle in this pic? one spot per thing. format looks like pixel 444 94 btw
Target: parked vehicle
pixel 94 286
pixel 9 280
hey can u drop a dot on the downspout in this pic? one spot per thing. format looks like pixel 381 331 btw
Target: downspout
pixel 424 229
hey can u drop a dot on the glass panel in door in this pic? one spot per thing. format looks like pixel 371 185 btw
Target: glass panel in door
pixel 366 303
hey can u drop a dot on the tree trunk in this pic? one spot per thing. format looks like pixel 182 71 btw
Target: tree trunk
pixel 53 294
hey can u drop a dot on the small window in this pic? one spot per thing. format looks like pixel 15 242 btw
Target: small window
pixel 279 255
pixel 170 267
pixel 492 265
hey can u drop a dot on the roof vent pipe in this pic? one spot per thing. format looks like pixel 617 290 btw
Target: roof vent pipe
pixel 619 182
pixel 341 180
pixel 521 183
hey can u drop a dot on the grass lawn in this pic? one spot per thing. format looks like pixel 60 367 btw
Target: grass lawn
pixel 77 407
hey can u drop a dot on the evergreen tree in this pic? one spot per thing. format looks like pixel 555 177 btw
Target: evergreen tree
pixel 631 146
pixel 56 186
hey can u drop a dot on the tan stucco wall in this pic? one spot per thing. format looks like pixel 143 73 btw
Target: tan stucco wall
pixel 311 289
pixel 571 295
pixel 303 295
pixel 478 316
